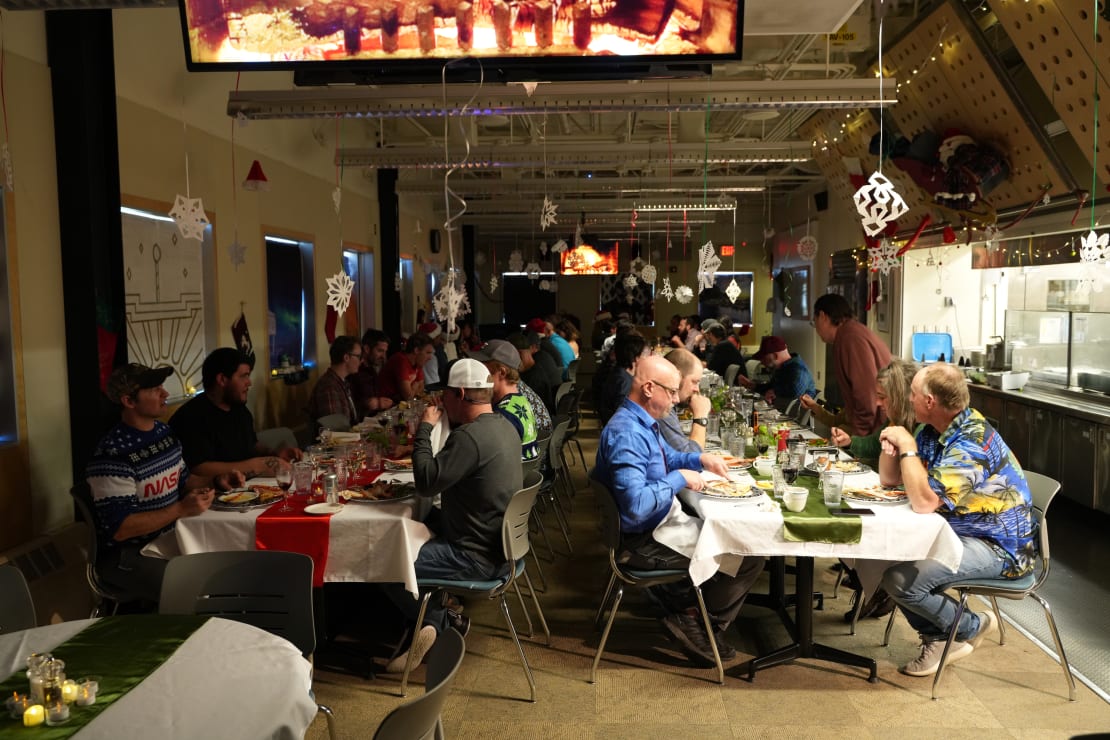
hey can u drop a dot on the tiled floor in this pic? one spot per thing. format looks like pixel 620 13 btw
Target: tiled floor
pixel 646 689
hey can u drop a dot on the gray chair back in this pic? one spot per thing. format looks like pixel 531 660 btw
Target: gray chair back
pixel 563 390
pixel 419 718
pixel 1042 490
pixel 269 589
pixel 17 610
pixel 572 371
pixel 335 423
pixel 514 530
pixel 541 451
pixel 82 499
pixel 555 442
pixel 277 438
pixel 731 373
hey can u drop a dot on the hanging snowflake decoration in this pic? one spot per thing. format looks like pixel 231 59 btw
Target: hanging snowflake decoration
pixel 553 287
pixel 190 218
pixel 768 232
pixel 241 119
pixel 451 302
pixel 559 247
pixel 419 228
pixel 545 285
pixel 533 270
pixel 683 294
pixel 878 203
pixel 666 291
pixel 631 281
pixel 237 252
pixel 648 274
pixel 516 261
pixel 1094 248
pixel 340 287
pixel 493 283
pixel 578 235
pixel 629 298
pixel 708 262
pixel 688 233
pixel 397 282
pixel 883 256
pixel 337 199
pixel 807 247
pixel 733 290
pixel 548 213
pixel 636 266
pixel 990 239
pixel 479 258
pixel 543 248
pixel 6 166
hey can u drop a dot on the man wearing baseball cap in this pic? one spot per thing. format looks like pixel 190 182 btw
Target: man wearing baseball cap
pixel 537 369
pixel 477 472
pixel 503 363
pixel 140 483
pixel 790 377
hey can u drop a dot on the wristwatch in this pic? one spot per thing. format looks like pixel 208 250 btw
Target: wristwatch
pixel 702 421
pixel 904 455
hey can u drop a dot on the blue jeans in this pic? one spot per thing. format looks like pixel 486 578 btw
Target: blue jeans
pixel 438 558
pixel 912 587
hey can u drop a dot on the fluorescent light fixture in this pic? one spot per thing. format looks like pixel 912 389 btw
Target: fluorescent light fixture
pixel 524 274
pixel 280 240
pixel 729 206
pixel 124 210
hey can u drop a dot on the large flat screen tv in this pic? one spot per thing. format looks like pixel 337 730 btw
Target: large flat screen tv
pixel 392 39
pixel 592 257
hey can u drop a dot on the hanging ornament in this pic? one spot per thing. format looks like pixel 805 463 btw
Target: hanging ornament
pixel 533 270
pixel 683 294
pixel 397 282
pixel 479 259
pixel 419 229
pixel 451 302
pixel 553 286
pixel 337 199
pixel 708 262
pixel 241 119
pixel 733 290
pixel 190 218
pixel 578 235
pixel 631 281
pixel 883 256
pixel 1094 248
pixel 548 213
pixel 878 203
pixel 543 248
pixel 666 291
pixel 648 274
pixel 948 236
pixel 559 247
pixel 237 252
pixel 768 232
pixel 516 261
pixel 636 265
pixel 340 287
pixel 807 247
pixel 493 283
pixel 545 285
pixel 6 166
pixel 990 239
pixel 256 179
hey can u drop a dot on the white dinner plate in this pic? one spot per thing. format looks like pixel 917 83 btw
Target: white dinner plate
pixel 323 508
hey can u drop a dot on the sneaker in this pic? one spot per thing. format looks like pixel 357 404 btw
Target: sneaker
pixel 452 602
pixel 458 621
pixel 421 643
pixel 688 632
pixel 726 651
pixel 987 625
pixel 928 661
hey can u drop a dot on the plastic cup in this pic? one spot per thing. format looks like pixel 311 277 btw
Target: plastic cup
pixel 779 480
pixel 373 457
pixel 736 447
pixel 832 482
pixel 302 477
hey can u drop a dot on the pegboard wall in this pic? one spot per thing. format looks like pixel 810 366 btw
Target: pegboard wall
pixel 1057 41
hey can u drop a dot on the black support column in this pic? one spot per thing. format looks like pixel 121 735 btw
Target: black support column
pixel 390 252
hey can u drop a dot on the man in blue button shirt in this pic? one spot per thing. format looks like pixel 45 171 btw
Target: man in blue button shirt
pixel 643 473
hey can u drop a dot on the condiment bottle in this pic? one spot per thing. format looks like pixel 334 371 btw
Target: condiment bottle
pixel 331 488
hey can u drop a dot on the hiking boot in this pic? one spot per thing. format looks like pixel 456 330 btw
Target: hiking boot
pixel 688 632
pixel 458 621
pixel 422 642
pixel 987 625
pixel 928 661
pixel 725 650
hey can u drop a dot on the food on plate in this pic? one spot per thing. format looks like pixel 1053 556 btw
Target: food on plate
pixel 766 485
pixel 379 491
pixel 737 462
pixel 729 489
pixel 875 494
pixel 267 493
pixel 402 464
pixel 844 466
pixel 819 442
pixel 236 498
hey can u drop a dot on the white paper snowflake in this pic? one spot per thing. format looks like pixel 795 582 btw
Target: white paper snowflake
pixel 548 213
pixel 543 248
pixel 578 235
pixel 684 294
pixel 6 166
pixel 733 290
pixel 636 265
pixel 666 291
pixel 553 287
pixel 397 282
pixel 340 287
pixel 190 218
pixel 878 203
pixel 419 228
pixel 1094 248
pixel 768 232
pixel 990 239
pixel 493 283
pixel 807 247
pixel 688 233
pixel 451 302
pixel 337 199
pixel 631 281
pixel 516 261
pixel 884 256
pixel 559 247
pixel 237 251
pixel 241 119
pixel 533 270
pixel 545 285
pixel 648 274
pixel 708 262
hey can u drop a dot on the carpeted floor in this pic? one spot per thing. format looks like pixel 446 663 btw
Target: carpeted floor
pixel 646 688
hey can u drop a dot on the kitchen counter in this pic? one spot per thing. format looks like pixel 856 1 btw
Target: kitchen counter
pixel 1086 405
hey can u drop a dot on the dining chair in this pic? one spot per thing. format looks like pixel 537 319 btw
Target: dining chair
pixel 269 589
pixel 277 438
pixel 108 597
pixel 621 575
pixel 536 464
pixel 561 391
pixel 550 489
pixel 572 371
pixel 17 609
pixel 420 718
pixel 730 375
pixel 334 423
pixel 571 408
pixel 1042 490
pixel 515 545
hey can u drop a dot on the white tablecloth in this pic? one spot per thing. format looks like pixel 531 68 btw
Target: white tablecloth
pixel 227 680
pixel 368 543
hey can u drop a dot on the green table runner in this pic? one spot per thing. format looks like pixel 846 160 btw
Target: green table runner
pixel 814 523
pixel 121 651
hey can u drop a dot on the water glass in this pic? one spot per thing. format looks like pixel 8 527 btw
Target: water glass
pixel 779 480
pixel 736 447
pixel 373 457
pixel 832 481
pixel 340 470
pixel 302 477
pixel 713 426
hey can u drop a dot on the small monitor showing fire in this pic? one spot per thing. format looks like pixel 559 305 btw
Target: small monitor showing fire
pixel 599 258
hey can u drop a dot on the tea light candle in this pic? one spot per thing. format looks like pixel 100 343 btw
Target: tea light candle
pixel 69 691
pixel 86 692
pixel 17 704
pixel 34 715
pixel 56 714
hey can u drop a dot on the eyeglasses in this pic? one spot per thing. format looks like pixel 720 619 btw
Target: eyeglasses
pixel 668 389
pixel 356 356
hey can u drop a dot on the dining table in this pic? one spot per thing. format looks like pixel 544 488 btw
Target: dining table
pixel 225 679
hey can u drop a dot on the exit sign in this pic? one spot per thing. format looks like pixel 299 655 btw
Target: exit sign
pixel 727 250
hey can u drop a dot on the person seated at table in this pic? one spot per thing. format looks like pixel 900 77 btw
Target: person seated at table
pixel 364 383
pixel 503 362
pixel 570 334
pixel 478 471
pixel 722 353
pixel 468 340
pixel 892 392
pixel 627 351
pixel 790 376
pixel 332 394
pixel 523 349
pixel 959 467
pixel 216 428
pixel 643 474
pixel 669 426
pixel 435 367
pixel 402 378
pixel 538 374
pixel 140 483
pixel 604 327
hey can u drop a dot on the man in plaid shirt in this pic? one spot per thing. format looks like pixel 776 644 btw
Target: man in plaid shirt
pixel 332 395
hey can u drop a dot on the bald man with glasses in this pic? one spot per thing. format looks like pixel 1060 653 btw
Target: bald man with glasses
pixel 644 473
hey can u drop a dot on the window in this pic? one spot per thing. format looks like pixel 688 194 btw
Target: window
pixel 359 266
pixel 9 419
pixel 291 303
pixel 637 302
pixel 408 299
pixel 169 297
pixel 522 300
pixel 714 302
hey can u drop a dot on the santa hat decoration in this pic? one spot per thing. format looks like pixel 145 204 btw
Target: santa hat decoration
pixel 256 178
pixel 432 329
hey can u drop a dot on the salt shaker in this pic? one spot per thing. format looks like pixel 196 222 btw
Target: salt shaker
pixel 331 488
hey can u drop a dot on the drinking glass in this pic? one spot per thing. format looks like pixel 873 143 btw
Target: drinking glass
pixel 833 483
pixel 340 470
pixel 713 426
pixel 284 477
pixel 762 443
pixel 373 457
pixel 302 476
pixel 778 478
pixel 736 447
pixel 790 471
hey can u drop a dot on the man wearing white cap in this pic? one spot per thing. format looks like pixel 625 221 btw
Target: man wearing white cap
pixel 503 362
pixel 477 472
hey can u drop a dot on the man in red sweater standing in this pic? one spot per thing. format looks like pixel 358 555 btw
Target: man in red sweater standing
pixel 858 355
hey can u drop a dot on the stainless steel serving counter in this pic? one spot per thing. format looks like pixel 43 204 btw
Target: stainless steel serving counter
pixel 1090 406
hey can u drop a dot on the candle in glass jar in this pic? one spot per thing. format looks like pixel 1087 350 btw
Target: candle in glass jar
pixel 57 714
pixel 69 691
pixel 86 691
pixel 17 704
pixel 34 715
